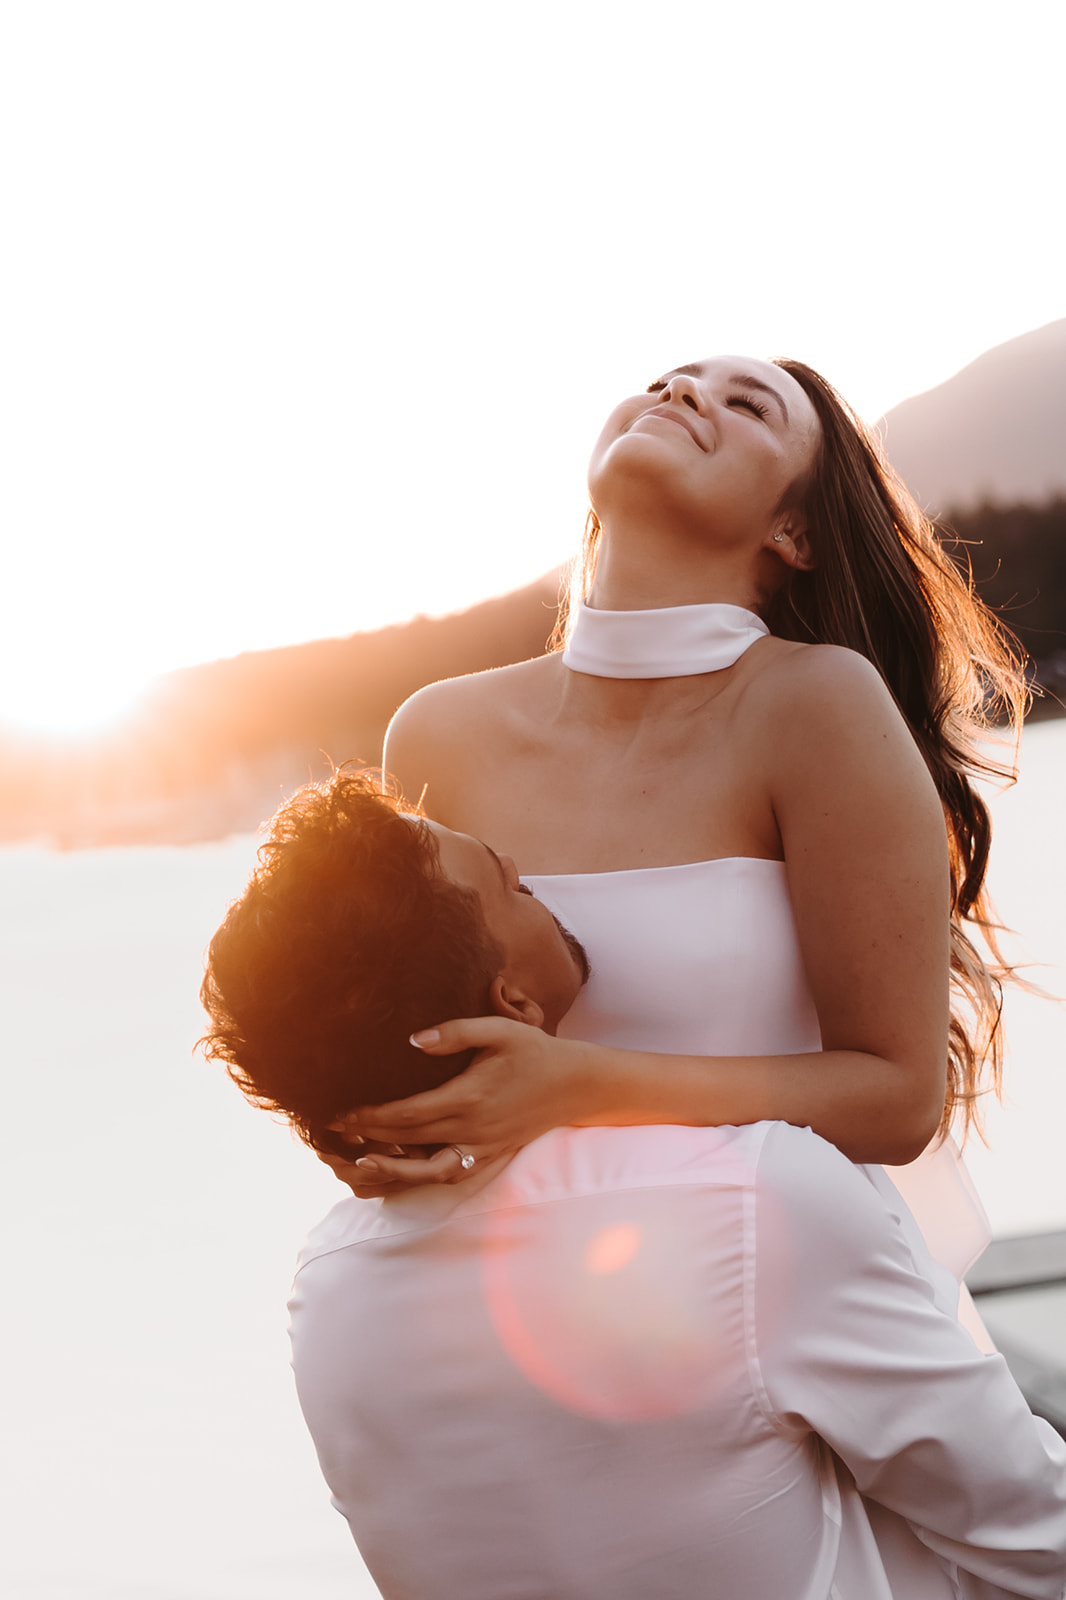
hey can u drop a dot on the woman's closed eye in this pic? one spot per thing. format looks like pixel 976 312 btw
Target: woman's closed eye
pixel 523 888
pixel 745 400
pixel 756 407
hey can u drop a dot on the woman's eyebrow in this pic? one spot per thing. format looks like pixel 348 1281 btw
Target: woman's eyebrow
pixel 756 383
pixel 693 369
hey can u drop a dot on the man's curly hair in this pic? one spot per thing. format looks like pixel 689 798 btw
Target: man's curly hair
pixel 346 940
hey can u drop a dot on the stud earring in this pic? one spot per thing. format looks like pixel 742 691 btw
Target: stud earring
pixel 778 537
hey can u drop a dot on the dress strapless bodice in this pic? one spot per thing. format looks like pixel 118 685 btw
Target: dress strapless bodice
pixel 700 959
pixel 704 959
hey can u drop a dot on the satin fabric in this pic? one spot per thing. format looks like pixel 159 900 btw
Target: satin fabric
pixel 665 1364
pixel 669 642
pixel 703 959
pixel 669 1363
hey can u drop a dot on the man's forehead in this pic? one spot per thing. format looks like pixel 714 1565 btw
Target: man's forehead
pixel 463 857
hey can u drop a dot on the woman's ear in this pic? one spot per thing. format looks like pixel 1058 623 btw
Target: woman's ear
pixel 508 1000
pixel 789 541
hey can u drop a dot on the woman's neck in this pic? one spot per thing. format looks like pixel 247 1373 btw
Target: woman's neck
pixel 650 578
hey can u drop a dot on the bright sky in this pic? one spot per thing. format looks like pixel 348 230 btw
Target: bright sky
pixel 312 310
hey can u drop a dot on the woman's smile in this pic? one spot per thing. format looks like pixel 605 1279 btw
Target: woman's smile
pixel 673 414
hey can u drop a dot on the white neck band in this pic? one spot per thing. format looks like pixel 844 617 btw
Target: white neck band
pixel 670 642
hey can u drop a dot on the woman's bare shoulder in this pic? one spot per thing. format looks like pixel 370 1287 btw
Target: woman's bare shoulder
pixel 822 708
pixel 431 727
pixel 815 681
pixel 825 717
pixel 476 693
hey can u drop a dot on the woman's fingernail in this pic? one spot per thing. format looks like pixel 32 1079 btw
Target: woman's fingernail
pixel 366 1164
pixel 427 1036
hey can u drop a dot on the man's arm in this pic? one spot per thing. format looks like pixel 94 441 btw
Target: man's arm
pixel 850 1346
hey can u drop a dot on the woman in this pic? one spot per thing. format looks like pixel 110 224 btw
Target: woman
pixel 750 823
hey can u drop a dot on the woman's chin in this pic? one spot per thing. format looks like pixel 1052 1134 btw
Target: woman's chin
pixel 639 463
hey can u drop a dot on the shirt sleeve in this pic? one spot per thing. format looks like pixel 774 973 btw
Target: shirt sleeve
pixel 846 1342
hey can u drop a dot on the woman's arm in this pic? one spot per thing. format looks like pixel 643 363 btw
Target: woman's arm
pixel 865 848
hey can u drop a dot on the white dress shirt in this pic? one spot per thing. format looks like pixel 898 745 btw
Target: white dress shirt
pixel 665 1364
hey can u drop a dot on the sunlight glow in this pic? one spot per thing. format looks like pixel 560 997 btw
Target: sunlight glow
pixel 326 353
pixel 54 703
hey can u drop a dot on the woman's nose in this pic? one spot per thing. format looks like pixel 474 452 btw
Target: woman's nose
pixel 683 390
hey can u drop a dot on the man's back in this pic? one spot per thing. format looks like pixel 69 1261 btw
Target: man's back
pixel 604 1373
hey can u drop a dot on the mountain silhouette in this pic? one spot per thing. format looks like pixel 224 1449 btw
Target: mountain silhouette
pixel 215 747
pixel 995 432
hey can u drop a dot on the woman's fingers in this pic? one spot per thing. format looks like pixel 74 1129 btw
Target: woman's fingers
pixel 429 1118
pixel 434 1116
pixel 364 1184
pixel 462 1110
pixel 450 1165
pixel 444 1128
pixel 384 1171
pixel 366 1188
pixel 520 1083
pixel 466 1033
pixel 411 1171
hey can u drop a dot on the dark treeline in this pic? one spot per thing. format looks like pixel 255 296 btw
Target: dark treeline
pixel 214 748
pixel 1018 557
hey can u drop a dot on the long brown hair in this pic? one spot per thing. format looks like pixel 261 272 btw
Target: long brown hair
pixel 884 585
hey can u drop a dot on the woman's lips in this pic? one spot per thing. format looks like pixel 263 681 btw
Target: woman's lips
pixel 672 414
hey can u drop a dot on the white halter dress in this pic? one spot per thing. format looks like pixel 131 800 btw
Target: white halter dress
pixel 703 958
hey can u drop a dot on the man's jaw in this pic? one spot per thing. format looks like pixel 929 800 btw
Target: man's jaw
pixel 576 949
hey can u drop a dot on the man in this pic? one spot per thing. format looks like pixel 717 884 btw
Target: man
pixel 644 1363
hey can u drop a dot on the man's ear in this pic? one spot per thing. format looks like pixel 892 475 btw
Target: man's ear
pixel 508 1000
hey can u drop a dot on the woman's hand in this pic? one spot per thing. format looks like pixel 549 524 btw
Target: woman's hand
pixel 521 1083
pixel 381 1171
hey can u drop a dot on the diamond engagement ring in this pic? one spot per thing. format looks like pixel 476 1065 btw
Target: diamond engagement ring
pixel 466 1160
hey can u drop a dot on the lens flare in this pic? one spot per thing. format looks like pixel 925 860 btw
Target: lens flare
pixel 612 1248
pixel 597 1304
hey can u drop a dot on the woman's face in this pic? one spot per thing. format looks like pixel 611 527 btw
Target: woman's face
pixel 719 444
